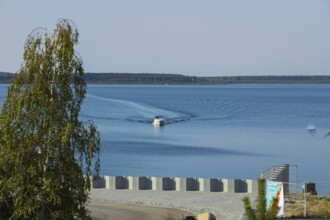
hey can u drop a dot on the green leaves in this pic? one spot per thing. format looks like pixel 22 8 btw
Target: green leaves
pixel 261 213
pixel 45 150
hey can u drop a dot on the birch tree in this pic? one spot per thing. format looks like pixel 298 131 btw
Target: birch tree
pixel 46 152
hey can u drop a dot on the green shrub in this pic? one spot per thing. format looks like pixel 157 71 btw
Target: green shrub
pixel 261 212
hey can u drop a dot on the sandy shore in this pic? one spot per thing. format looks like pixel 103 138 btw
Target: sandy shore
pixel 222 205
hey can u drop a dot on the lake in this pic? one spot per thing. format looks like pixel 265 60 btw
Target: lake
pixel 228 131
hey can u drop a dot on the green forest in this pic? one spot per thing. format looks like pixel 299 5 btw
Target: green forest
pixel 177 79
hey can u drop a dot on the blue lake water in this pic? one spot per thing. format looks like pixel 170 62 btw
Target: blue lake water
pixel 231 131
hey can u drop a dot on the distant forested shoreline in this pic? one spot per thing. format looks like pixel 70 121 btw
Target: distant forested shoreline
pixel 177 79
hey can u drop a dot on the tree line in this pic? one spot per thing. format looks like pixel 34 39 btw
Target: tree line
pixel 177 79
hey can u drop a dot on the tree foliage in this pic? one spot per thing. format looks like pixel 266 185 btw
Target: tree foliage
pixel 261 212
pixel 46 153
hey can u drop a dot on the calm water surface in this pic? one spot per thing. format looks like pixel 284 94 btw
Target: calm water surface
pixel 232 131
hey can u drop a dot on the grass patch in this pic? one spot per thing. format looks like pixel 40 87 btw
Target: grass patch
pixel 317 206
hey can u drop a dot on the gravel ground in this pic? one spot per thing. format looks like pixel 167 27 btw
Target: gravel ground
pixel 107 210
pixel 222 205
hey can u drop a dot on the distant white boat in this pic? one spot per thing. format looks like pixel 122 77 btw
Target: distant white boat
pixel 158 121
pixel 311 129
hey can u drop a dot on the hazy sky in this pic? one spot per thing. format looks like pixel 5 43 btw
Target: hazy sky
pixel 190 37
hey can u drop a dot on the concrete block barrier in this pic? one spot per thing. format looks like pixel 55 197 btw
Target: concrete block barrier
pixel 204 184
pixel 180 184
pixel 234 185
pixel 121 182
pixel 252 186
pixel 98 182
pixel 133 182
pixel 110 182
pixel 145 183
pixel 228 185
pixel 157 183
pixel 216 185
pixel 240 185
pixel 175 183
pixel 192 184
pixel 169 183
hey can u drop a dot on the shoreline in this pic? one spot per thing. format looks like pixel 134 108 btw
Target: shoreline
pixel 222 205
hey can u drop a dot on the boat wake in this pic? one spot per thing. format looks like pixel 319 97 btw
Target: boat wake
pixel 163 149
pixel 116 109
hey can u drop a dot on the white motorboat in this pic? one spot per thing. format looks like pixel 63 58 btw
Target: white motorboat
pixel 158 121
pixel 311 129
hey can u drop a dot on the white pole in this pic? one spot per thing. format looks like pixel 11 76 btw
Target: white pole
pixel 305 198
pixel 297 177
